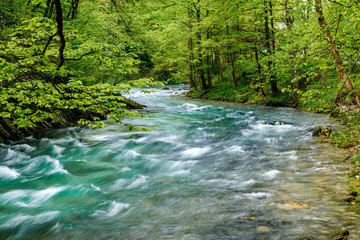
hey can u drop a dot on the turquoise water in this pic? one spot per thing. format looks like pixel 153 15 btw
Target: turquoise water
pixel 207 171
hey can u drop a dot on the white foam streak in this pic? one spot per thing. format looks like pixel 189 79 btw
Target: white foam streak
pixel 39 197
pixel 30 198
pixel 271 174
pixel 141 181
pixel 95 187
pixel 113 210
pixel 195 152
pixel 57 150
pixel 37 219
pixel 130 154
pixel 257 195
pixel 57 167
pixel 193 107
pixel 24 147
pixel 8 173
pixel 179 173
pixel 137 183
pixel 10 154
pixel 237 149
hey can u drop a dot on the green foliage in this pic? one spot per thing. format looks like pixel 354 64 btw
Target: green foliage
pixel 34 88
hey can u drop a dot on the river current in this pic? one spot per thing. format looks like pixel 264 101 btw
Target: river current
pixel 208 170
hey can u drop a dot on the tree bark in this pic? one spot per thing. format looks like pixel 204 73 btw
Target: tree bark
pixel 270 46
pixel 191 58
pixel 339 64
pixel 59 21
pixel 233 72
pixel 208 65
pixel 198 43
pixel 219 66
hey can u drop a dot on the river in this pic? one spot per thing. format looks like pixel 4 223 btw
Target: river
pixel 208 170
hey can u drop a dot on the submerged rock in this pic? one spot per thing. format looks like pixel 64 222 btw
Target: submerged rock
pixel 322 132
pixel 263 229
pixel 293 206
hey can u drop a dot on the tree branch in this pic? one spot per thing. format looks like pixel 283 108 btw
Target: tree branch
pixel 76 59
pixel 347 6
pixel 48 43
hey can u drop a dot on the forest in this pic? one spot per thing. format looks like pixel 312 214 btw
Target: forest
pixel 79 54
pixel 72 58
pixel 255 169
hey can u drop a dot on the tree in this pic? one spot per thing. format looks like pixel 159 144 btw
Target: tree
pixel 339 64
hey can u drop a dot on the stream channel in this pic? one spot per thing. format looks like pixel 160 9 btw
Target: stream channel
pixel 208 170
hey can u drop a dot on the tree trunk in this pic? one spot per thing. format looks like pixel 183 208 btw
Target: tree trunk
pixel 200 56
pixel 231 59
pixel 191 70
pixel 208 65
pixel 270 47
pixel 257 60
pixel 233 72
pixel 339 64
pixel 191 57
pixel 219 66
pixel 59 21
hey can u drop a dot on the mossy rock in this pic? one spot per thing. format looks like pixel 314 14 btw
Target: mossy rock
pixel 322 132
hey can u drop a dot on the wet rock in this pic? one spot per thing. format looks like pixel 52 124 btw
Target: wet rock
pixel 131 104
pixel 165 88
pixel 342 234
pixel 322 132
pixel 349 199
pixel 354 193
pixel 277 123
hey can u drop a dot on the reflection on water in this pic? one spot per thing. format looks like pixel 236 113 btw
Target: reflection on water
pixel 207 171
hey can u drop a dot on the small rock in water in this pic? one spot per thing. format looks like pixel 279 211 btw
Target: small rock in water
pixel 277 123
pixel 342 234
pixel 165 88
pixel 322 132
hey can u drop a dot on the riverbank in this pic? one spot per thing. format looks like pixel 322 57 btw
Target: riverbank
pixel 69 118
pixel 347 138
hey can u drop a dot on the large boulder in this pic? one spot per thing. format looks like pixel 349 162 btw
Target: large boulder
pixel 322 132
